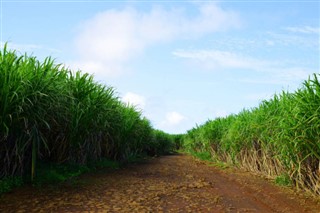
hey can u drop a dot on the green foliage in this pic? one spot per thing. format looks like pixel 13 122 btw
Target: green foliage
pixel 52 173
pixel 283 180
pixel 50 114
pixel 205 156
pixel 280 136
pixel 161 143
pixel 7 184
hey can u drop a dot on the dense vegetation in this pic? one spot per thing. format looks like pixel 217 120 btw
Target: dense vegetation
pixel 51 118
pixel 50 114
pixel 280 138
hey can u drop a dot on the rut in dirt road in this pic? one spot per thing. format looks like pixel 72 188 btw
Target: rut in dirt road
pixel 175 183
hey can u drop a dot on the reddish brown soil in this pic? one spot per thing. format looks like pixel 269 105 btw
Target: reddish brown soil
pixel 175 183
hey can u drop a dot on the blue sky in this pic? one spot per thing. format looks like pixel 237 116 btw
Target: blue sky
pixel 180 62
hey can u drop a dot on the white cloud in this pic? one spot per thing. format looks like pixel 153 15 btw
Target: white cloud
pixel 211 19
pixel 134 99
pixel 108 36
pixel 174 118
pixel 172 122
pixel 113 37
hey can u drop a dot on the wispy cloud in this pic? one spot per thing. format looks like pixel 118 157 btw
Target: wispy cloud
pixel 113 37
pixel 267 71
pixel 304 29
pixel 28 47
pixel 258 96
pixel 216 59
pixel 294 40
pixel 287 37
pixel 262 80
pixel 219 113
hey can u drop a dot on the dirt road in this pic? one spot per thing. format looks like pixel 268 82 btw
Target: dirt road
pixel 175 183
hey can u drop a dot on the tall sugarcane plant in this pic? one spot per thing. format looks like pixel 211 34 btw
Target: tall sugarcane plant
pixel 279 138
pixel 50 113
